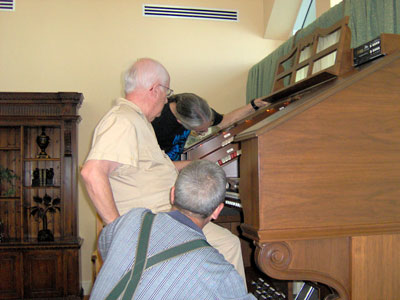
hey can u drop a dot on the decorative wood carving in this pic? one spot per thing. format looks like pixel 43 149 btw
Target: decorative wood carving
pixel 289 261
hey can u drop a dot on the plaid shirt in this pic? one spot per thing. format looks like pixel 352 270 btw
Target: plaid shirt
pixel 201 274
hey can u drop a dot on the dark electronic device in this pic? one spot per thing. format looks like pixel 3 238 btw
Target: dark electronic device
pixel 367 52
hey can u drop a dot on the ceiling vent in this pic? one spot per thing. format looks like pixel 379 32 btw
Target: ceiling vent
pixel 7 5
pixel 189 12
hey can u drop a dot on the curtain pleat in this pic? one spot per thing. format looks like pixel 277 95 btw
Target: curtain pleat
pixel 370 18
pixel 261 76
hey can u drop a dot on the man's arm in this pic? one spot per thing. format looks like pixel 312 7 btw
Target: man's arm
pixel 95 174
pixel 240 113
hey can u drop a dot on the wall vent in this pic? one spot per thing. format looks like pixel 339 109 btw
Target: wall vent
pixel 7 5
pixel 189 12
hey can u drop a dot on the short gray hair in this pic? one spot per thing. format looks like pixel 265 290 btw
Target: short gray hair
pixel 192 110
pixel 200 187
pixel 144 73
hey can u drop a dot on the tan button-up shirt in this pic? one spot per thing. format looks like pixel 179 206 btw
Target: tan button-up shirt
pixel 147 174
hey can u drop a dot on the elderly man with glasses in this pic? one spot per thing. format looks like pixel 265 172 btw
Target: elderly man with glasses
pixel 126 168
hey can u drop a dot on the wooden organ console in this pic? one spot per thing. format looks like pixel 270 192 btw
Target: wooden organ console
pixel 319 169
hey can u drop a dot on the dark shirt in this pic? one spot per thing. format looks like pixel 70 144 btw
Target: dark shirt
pixel 171 135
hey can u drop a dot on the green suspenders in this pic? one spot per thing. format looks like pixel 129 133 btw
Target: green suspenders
pixel 129 282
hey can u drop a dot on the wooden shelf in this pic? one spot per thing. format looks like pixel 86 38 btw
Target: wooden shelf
pixel 42 159
pixel 2 198
pixel 10 148
pixel 43 187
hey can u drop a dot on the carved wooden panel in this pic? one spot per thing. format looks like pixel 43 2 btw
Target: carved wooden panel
pixel 323 260
pixel 10 283
pixel 43 273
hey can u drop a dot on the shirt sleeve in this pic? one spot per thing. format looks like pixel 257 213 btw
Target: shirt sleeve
pixel 115 139
pixel 217 117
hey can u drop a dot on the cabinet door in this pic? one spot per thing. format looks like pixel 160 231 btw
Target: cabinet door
pixel 42 179
pixel 10 181
pixel 43 273
pixel 10 275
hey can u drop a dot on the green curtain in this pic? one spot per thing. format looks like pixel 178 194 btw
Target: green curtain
pixel 261 76
pixel 368 19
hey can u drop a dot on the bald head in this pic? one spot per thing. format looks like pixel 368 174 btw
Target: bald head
pixel 144 73
pixel 146 85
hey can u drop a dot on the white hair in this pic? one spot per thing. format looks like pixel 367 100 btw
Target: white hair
pixel 144 73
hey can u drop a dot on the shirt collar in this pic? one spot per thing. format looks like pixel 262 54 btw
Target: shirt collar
pixel 123 101
pixel 180 217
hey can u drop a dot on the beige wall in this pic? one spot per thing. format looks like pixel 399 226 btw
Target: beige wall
pixel 84 45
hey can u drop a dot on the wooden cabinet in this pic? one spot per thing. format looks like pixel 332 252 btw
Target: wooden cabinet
pixel 39 242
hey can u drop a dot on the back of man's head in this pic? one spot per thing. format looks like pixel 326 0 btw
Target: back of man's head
pixel 144 73
pixel 200 188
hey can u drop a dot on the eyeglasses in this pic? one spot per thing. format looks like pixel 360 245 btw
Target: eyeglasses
pixel 170 92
